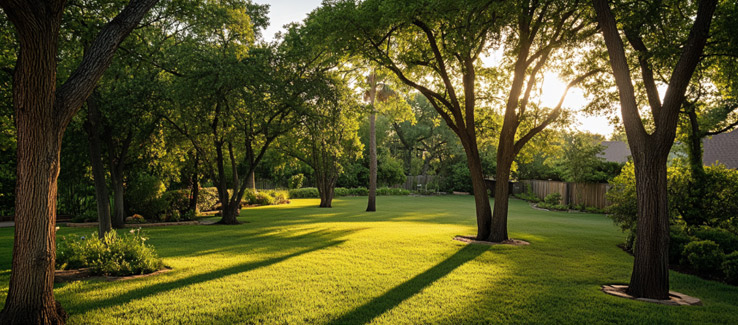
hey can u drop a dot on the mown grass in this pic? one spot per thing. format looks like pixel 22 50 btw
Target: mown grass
pixel 302 264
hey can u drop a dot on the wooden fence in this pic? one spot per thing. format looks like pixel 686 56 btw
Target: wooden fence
pixel 412 182
pixel 591 195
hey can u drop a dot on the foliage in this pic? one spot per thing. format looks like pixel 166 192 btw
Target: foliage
pixel 177 200
pixel 718 204
pixel 296 181
pixel 678 238
pixel 144 195
pixel 390 171
pixel 311 192
pixel 553 198
pixel 207 198
pixel 265 197
pixel 727 240
pixel 528 194
pixel 115 254
pixel 580 160
pixel 730 268
pixel 305 192
pixel 392 191
pixel 704 256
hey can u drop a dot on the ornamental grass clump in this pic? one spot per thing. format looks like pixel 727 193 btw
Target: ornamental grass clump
pixel 114 254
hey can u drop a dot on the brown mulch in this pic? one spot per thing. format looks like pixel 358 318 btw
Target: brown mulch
pixel 472 240
pixel 675 298
pixel 85 274
pixel 135 225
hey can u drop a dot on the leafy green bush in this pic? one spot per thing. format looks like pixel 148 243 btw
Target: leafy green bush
pixel 296 181
pixel 144 196
pixel 558 207
pixel 730 268
pixel 392 191
pixel 704 256
pixel 115 254
pixel 207 198
pixel 678 238
pixel 265 197
pixel 304 193
pixel 553 198
pixel 359 191
pixel 727 240
pixel 178 202
pixel 593 210
pixel 340 191
pixel 528 195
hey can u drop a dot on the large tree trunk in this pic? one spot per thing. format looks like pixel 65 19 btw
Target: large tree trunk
pixel 502 188
pixel 372 203
pixel 325 189
pixel 650 276
pixel 98 170
pixel 30 297
pixel 251 181
pixel 119 207
pixel 481 200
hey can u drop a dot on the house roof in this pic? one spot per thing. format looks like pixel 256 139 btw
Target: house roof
pixel 721 148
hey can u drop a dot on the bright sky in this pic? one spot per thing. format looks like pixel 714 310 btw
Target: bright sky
pixel 282 12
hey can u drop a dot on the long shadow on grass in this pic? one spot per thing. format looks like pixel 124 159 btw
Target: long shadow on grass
pixel 398 294
pixel 187 281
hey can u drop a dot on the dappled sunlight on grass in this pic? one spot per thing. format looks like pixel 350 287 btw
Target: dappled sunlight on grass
pixel 298 263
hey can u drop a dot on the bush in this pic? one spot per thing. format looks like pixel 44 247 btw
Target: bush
pixel 730 268
pixel 727 240
pixel 528 195
pixel 304 193
pixel 553 199
pixel 558 207
pixel 359 191
pixel 340 191
pixel 207 198
pixel 296 181
pixel 678 239
pixel 113 255
pixel 265 197
pixel 178 201
pixel 392 191
pixel 144 196
pixel 593 210
pixel 704 256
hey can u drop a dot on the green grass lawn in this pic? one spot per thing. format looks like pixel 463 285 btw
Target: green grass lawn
pixel 301 264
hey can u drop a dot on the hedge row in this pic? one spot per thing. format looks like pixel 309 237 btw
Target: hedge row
pixel 312 192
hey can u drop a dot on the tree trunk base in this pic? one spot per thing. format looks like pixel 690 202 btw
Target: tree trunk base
pixel 674 299
pixel 57 315
pixel 228 222
pixel 474 240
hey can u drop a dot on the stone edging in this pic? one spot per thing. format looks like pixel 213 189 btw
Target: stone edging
pixel 675 298
pixel 472 240
pixel 135 225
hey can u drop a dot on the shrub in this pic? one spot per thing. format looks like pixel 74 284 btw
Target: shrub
pixel 144 196
pixel 727 240
pixel 178 201
pixel 340 191
pixel 265 197
pixel 359 191
pixel 730 268
pixel 678 239
pixel 207 198
pixel 553 199
pixel 704 256
pixel 296 181
pixel 593 210
pixel 280 196
pixel 304 193
pixel 528 195
pixel 113 255
pixel 392 191
pixel 558 207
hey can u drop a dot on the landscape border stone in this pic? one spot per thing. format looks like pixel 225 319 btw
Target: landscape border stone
pixel 675 298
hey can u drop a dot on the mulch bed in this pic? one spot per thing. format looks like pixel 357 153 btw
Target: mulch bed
pixel 135 225
pixel 472 240
pixel 675 298
pixel 85 274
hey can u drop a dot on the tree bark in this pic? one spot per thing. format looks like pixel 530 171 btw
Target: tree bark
pixel 502 188
pixel 372 204
pixel 195 185
pixel 326 190
pixel 98 170
pixel 42 113
pixel 481 200
pixel 119 217
pixel 251 180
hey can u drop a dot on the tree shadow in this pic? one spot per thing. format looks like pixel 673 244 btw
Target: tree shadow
pixel 190 280
pixel 395 296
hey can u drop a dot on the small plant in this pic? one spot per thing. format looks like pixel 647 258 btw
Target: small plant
pixel 704 256
pixel 678 239
pixel 175 216
pixel 189 215
pixel 730 268
pixel 114 254
pixel 553 199
pixel 528 195
pixel 136 218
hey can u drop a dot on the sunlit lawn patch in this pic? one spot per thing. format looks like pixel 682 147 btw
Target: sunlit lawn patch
pixel 301 264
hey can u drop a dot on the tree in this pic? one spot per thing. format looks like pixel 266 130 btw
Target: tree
pixel 650 150
pixel 543 30
pixel 372 94
pixel 42 112
pixel 431 47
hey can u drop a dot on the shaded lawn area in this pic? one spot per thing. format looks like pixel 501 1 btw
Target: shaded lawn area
pixel 302 264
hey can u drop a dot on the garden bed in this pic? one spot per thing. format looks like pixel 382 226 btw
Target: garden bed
pixel 135 225
pixel 86 273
